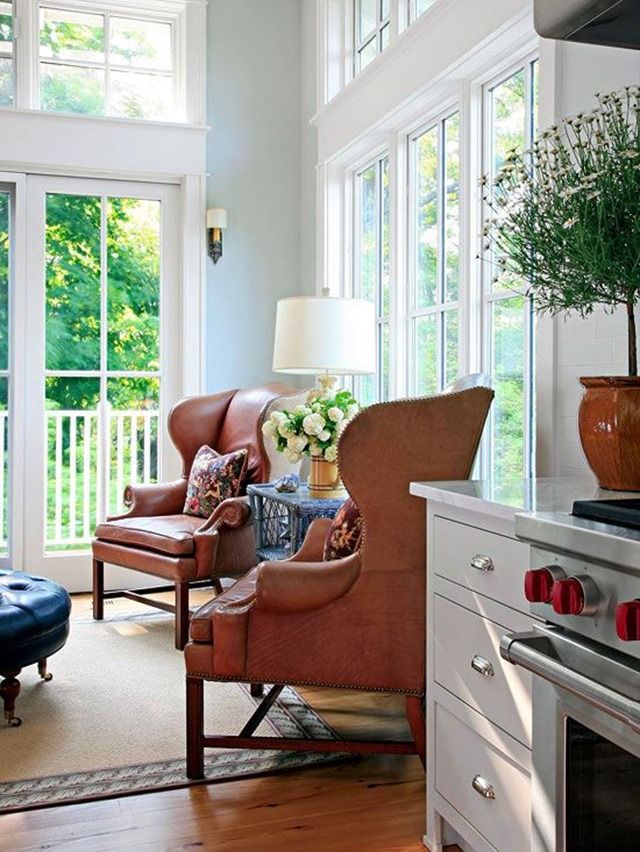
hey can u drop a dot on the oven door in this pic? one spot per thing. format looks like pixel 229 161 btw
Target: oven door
pixel 586 742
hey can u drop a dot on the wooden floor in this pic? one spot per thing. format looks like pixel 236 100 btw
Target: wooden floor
pixel 369 804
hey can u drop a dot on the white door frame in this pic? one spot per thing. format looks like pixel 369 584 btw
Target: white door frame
pixel 73 570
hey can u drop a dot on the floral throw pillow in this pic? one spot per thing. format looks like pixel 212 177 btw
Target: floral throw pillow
pixel 345 532
pixel 214 478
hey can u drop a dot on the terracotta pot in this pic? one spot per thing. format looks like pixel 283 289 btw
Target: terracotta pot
pixel 609 423
pixel 324 479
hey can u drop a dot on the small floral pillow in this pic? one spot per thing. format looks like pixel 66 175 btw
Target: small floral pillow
pixel 214 478
pixel 345 532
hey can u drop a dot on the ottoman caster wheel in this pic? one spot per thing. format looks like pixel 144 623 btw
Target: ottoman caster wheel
pixel 42 671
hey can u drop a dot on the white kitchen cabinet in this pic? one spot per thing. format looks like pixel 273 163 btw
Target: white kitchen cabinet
pixel 479 706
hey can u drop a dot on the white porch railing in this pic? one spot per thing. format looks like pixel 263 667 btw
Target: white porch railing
pixel 76 490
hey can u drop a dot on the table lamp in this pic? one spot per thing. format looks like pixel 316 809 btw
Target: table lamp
pixel 326 337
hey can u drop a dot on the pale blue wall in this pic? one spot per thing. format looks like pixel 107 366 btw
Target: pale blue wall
pixel 259 162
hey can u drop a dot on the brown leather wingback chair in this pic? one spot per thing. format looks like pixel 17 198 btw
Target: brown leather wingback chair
pixel 157 538
pixel 353 623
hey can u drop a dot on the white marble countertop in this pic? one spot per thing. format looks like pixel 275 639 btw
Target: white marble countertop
pixel 506 498
pixel 541 511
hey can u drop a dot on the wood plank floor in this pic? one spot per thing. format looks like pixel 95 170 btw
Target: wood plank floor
pixel 372 803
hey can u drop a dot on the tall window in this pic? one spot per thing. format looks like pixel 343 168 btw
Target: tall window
pixel 372 30
pixel 371 269
pixel 5 211
pixel 434 257
pixel 7 72
pixel 99 63
pixel 509 121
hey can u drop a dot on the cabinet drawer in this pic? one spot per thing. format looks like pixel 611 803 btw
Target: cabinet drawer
pixel 466 644
pixel 462 757
pixel 461 552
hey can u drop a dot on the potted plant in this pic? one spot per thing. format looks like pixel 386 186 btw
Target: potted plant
pixel 565 220
pixel 313 429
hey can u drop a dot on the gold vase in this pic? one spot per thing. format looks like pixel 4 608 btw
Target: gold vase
pixel 324 479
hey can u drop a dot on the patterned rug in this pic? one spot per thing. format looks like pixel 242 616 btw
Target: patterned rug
pixel 111 722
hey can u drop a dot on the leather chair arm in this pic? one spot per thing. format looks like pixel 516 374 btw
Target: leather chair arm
pixel 312 548
pixel 302 586
pixel 166 498
pixel 234 512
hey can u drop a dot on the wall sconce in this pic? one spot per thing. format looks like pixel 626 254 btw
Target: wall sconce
pixel 216 223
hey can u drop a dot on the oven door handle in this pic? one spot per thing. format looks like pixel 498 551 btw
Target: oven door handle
pixel 523 649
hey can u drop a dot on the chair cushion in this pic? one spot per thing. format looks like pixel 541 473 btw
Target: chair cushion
pixel 34 618
pixel 214 478
pixel 171 534
pixel 345 532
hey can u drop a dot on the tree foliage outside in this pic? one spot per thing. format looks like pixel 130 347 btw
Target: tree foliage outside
pixel 74 325
pixel 6 55
pixel 73 59
pixel 508 313
pixel 437 253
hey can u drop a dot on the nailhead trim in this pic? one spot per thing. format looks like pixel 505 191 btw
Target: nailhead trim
pixel 222 678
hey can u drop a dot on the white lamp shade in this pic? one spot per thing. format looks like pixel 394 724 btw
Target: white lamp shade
pixel 216 217
pixel 318 335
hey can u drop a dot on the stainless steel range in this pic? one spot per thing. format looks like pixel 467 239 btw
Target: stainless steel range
pixel 585 584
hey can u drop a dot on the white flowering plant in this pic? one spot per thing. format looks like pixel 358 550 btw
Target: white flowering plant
pixel 312 428
pixel 565 215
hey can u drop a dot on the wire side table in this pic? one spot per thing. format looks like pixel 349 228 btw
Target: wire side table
pixel 282 519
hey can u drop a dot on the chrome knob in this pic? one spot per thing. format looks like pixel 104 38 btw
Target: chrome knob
pixel 482 786
pixel 482 666
pixel 482 563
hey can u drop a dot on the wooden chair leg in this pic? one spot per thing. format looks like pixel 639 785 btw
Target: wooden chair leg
pixel 195 728
pixel 9 691
pixel 217 587
pixel 98 589
pixel 182 615
pixel 415 716
pixel 256 690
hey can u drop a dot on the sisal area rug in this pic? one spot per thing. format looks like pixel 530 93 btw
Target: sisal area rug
pixel 112 720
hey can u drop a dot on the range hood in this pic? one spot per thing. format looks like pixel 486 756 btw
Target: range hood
pixel 612 22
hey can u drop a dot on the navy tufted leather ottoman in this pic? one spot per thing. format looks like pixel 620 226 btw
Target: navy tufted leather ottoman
pixel 34 624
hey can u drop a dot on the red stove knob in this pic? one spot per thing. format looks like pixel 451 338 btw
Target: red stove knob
pixel 575 596
pixel 538 583
pixel 628 621
pixel 567 597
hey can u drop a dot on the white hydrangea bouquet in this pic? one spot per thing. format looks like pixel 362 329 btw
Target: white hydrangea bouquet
pixel 313 428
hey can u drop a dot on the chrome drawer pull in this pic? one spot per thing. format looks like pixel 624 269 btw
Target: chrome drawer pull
pixel 482 786
pixel 482 666
pixel 482 563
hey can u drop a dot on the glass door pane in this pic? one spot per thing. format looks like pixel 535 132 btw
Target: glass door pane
pixel 102 376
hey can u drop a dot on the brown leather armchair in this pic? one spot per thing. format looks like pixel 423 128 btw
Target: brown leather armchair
pixel 354 623
pixel 155 537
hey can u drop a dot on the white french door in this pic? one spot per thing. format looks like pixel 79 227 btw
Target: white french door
pixel 102 358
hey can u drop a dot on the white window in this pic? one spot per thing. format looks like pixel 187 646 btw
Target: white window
pixel 7 69
pixel 509 121
pixel 101 63
pixel 371 269
pixel 417 7
pixel 434 256
pixel 371 30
